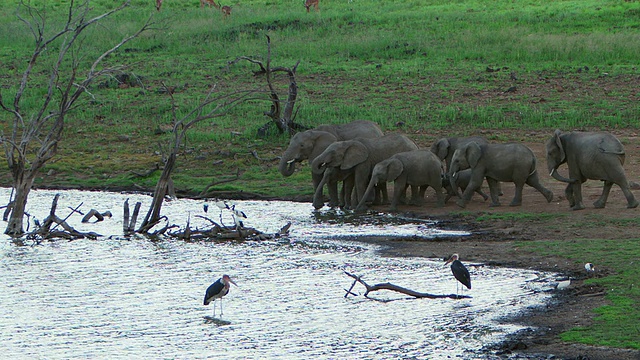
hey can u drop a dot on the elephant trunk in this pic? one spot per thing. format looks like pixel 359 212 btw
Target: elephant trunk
pixel 556 175
pixel 318 199
pixel 287 166
pixel 318 166
pixel 453 182
pixel 362 205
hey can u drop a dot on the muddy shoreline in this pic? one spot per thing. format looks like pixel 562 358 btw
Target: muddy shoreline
pixel 494 243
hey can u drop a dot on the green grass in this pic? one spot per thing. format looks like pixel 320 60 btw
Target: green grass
pixel 518 216
pixel 434 67
pixel 617 324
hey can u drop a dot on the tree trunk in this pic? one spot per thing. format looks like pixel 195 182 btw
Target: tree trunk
pixel 22 188
pixel 153 216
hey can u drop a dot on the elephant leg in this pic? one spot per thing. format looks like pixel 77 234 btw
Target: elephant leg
pixel 398 189
pixel 602 200
pixel 347 186
pixel 577 196
pixel 475 182
pixel 417 195
pixel 384 193
pixel 332 186
pixel 482 193
pixel 361 179
pixel 517 197
pixel 439 195
pixel 632 203
pixel 534 182
pixel 568 192
pixel 494 190
pixel 449 196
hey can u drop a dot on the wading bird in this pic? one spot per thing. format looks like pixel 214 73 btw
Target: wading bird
pixel 459 271
pixel 217 290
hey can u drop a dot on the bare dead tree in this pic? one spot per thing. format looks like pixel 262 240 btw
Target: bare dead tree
pixel 36 131
pixel 283 118
pixel 212 106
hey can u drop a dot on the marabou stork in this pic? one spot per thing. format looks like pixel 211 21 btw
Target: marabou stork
pixel 459 271
pixel 217 290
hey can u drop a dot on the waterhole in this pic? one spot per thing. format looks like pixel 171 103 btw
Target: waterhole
pixel 118 297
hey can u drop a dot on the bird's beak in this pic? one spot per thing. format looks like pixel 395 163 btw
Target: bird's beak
pixel 233 282
pixel 446 263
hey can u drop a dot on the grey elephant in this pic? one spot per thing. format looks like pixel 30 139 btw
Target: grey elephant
pixel 360 156
pixel 498 162
pixel 309 144
pixel 418 168
pixel 459 181
pixel 589 155
pixel 445 147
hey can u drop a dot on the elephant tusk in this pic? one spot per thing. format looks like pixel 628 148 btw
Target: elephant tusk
pixel 291 161
pixel 552 171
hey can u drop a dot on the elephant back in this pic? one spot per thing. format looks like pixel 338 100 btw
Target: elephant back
pixel 420 159
pixel 387 146
pixel 353 130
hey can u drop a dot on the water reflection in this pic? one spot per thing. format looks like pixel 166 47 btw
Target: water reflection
pixel 119 297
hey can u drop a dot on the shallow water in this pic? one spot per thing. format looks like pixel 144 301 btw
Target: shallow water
pixel 119 297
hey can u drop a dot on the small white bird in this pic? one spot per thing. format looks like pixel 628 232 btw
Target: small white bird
pixel 589 267
pixel 222 205
pixel 238 212
pixel 563 284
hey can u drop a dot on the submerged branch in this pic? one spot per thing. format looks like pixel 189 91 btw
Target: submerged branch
pixel 400 289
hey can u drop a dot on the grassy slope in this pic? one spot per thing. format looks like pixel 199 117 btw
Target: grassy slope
pixel 436 66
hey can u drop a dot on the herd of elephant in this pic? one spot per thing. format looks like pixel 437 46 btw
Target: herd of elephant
pixel 359 155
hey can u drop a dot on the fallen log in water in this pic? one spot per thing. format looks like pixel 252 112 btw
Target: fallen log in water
pixel 46 231
pixel 396 288
pixel 222 232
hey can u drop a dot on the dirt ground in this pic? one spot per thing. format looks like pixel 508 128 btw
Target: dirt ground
pixel 493 242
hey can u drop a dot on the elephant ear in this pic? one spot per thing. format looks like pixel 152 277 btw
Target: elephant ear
pixel 354 154
pixel 473 153
pixel 319 141
pixel 394 169
pixel 441 148
pixel 556 138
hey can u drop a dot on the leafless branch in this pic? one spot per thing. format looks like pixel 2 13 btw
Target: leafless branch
pixel 400 289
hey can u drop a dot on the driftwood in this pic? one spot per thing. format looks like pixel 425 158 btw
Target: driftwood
pixel 129 225
pixel 255 155
pixel 222 232
pixel 46 231
pixel 396 288
pixel 95 213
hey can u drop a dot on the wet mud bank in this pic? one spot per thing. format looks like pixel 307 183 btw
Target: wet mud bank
pixel 495 243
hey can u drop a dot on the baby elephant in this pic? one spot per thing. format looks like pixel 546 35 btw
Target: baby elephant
pixel 459 181
pixel 418 168
pixel 498 162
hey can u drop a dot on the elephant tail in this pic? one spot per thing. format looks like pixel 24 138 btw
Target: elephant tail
pixel 534 167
